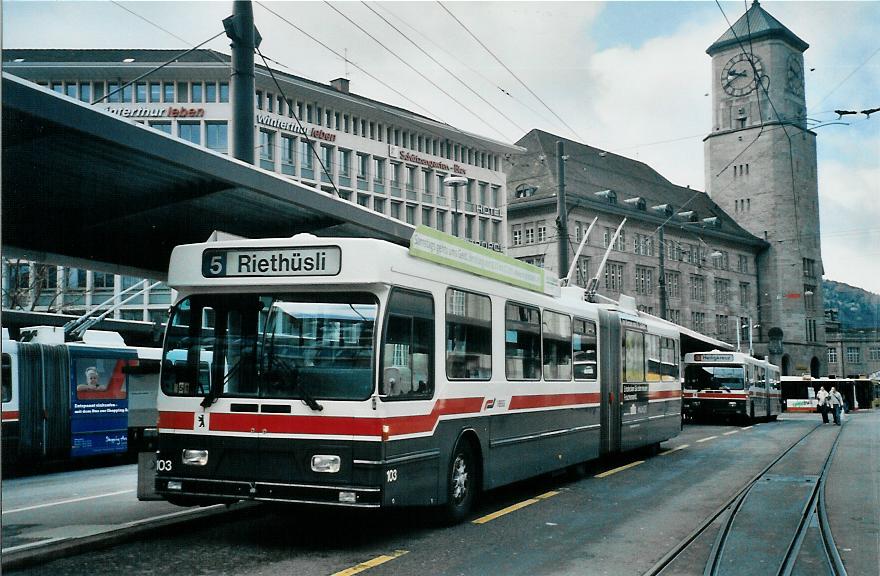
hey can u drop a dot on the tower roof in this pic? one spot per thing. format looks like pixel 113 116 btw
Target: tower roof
pixel 755 24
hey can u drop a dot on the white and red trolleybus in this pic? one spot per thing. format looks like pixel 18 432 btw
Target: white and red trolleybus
pixel 356 372
pixel 730 384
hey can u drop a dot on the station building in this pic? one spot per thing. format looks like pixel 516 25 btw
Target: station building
pixel 386 158
pixel 759 215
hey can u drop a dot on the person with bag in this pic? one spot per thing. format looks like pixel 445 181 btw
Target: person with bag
pixel 836 404
pixel 822 402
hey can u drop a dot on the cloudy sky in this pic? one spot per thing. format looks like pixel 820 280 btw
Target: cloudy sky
pixel 630 77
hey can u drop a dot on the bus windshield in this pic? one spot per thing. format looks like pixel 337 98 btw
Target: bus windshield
pixel 289 346
pixel 714 378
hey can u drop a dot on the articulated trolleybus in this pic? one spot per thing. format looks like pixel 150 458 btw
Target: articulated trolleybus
pixel 356 372
pixel 730 384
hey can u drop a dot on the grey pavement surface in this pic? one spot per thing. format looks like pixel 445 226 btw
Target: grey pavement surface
pixel 620 524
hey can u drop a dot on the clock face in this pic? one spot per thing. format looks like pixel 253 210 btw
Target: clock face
pixel 740 72
pixel 795 79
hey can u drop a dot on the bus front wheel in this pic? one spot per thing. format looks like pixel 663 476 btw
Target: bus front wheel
pixel 461 483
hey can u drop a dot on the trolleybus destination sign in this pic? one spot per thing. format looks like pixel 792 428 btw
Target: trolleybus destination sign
pixel 281 261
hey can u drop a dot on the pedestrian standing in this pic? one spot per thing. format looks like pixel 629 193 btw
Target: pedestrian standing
pixel 836 404
pixel 822 402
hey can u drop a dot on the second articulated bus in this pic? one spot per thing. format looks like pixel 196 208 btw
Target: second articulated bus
pixel 725 384
pixel 353 372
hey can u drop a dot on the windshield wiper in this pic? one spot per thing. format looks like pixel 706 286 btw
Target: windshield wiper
pixel 291 374
pixel 217 386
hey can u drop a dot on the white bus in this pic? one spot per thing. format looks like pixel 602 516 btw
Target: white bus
pixel 356 372
pixel 720 383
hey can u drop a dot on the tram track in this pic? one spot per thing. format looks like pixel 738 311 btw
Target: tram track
pixel 813 515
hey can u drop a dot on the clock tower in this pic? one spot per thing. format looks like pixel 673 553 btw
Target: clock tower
pixel 760 163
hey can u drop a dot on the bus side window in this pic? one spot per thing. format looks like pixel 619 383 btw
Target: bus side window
pixel 652 358
pixel 584 349
pixel 556 332
pixel 6 377
pixel 668 360
pixel 408 349
pixel 522 342
pixel 633 356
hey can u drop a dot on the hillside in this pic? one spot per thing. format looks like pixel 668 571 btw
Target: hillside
pixel 857 308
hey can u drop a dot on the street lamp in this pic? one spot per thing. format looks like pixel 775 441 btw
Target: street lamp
pixel 455 182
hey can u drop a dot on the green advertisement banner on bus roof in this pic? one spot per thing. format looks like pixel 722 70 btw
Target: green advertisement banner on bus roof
pixel 430 244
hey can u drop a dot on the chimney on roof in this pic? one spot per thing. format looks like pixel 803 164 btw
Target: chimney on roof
pixel 340 85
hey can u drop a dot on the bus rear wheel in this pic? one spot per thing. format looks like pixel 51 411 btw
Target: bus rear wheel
pixel 461 483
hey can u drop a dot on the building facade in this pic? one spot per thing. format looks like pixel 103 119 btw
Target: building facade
pixel 708 263
pixel 386 158
pixel 761 168
pixel 851 352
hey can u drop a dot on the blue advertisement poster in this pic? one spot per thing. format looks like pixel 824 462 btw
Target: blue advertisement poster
pixel 99 397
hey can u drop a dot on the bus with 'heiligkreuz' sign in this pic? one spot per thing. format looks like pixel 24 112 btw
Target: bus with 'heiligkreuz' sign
pixel 725 384
pixel 356 372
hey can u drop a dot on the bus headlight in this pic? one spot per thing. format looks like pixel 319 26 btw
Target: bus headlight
pixel 195 457
pixel 328 463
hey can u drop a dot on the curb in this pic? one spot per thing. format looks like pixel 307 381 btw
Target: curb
pixel 40 552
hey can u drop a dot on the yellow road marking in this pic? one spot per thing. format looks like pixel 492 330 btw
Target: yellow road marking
pixel 731 432
pixel 676 449
pixel 515 507
pixel 621 469
pixel 370 563
pixel 707 438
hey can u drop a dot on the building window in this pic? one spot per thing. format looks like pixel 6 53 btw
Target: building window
pixel 809 268
pixel 698 288
pixel 517 236
pixel 722 291
pixel 395 210
pixel 141 92
pixel 267 150
pixel 721 262
pixel 614 276
pixel 307 160
pixel 811 330
pixel 621 239
pixel 224 92
pixel 161 126
pixel 853 354
pixel 542 233
pixel 643 245
pixel 644 280
pixel 673 285
pixel 288 155
pixel 363 165
pixel 168 91
pixel 182 92
pixel 211 92
pixel 582 276
pixel 530 235
pixel 874 353
pixel 674 316
pixel 190 131
pixel 745 299
pixel 534 260
pixel 698 321
pixel 217 136
pixel 155 92
pixel 743 264
pixel 198 95
pixel 721 326
pixel 832 355
pixel 102 280
pixel 379 170
pixel 809 297
pixel 345 163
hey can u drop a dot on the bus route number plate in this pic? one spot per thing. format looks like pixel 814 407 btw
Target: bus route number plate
pixel 298 261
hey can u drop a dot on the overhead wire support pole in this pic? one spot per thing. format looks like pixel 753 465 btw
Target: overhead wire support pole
pixel 561 208
pixel 567 280
pixel 245 40
pixel 590 295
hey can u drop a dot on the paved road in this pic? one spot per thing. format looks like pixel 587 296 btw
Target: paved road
pixel 618 519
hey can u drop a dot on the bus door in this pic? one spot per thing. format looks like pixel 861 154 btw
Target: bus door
pixel 609 382
pixel 99 397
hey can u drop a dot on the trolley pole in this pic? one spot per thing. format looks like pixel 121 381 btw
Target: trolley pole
pixel 245 39
pixel 561 210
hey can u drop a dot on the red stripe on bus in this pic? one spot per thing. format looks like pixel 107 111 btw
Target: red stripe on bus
pixel 724 396
pixel 10 415
pixel 177 420
pixel 658 394
pixel 547 400
pixel 343 425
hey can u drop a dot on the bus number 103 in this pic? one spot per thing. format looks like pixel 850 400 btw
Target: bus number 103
pixel 391 475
